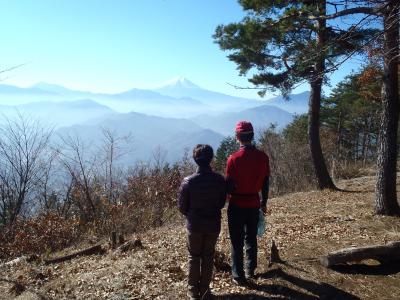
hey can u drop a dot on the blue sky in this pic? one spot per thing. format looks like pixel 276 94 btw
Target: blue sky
pixel 112 46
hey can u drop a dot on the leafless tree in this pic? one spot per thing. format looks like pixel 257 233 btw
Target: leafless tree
pixel 45 186
pixel 113 148
pixel 23 147
pixel 81 166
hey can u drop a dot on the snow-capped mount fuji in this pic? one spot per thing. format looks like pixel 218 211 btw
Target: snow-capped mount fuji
pixel 181 87
pixel 178 82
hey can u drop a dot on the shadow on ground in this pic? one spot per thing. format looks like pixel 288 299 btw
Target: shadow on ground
pixel 314 290
pixel 355 191
pixel 387 268
pixel 244 297
pixel 304 289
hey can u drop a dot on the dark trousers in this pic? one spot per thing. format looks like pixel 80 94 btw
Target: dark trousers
pixel 242 224
pixel 201 248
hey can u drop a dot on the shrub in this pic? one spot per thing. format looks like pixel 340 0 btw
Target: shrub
pixel 44 233
pixel 290 162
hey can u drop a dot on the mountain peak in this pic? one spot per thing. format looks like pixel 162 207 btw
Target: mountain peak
pixel 51 87
pixel 178 82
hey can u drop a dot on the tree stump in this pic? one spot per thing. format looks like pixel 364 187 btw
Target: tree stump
pixel 121 239
pixel 113 239
pixel 274 258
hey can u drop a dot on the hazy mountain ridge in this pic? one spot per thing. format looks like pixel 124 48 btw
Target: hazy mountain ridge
pixel 65 113
pixel 169 118
pixel 297 103
pixel 182 87
pixel 261 117
pixel 177 98
pixel 11 89
pixel 149 134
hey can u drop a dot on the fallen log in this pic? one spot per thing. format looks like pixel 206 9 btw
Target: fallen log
pixel 381 253
pixel 97 249
pixel 130 245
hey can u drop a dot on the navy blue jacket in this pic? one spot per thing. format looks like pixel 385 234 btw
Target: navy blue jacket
pixel 201 197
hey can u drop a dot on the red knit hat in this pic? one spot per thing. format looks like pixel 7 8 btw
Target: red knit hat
pixel 244 127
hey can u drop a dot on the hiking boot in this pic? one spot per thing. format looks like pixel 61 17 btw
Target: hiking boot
pixel 250 275
pixel 239 281
pixel 192 296
pixel 206 296
pixel 193 293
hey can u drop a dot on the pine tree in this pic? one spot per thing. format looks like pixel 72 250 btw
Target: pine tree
pixel 228 146
pixel 352 112
pixel 285 43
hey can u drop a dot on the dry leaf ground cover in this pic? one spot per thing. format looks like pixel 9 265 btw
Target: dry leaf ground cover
pixel 303 225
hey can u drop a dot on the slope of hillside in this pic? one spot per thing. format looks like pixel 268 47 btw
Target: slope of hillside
pixel 304 226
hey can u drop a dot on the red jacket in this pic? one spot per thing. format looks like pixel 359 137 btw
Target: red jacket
pixel 248 169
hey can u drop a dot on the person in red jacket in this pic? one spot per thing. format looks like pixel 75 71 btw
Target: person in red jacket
pixel 247 174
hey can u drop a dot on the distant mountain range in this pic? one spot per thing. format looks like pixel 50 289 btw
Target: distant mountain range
pixel 170 117
pixel 149 134
pixel 261 117
pixel 177 98
pixel 296 104
pixel 65 113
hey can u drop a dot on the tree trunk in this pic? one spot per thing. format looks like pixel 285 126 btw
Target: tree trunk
pixel 364 142
pixel 368 143
pixel 356 139
pixel 385 191
pixel 314 105
pixel 339 137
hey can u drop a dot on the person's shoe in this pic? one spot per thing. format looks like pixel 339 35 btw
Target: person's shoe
pixel 250 275
pixel 239 281
pixel 205 293
pixel 192 296
pixel 206 296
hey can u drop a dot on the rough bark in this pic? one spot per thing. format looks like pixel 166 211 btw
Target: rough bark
pixel 384 253
pixel 321 171
pixel 385 191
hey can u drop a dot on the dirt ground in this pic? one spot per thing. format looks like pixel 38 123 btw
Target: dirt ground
pixel 304 227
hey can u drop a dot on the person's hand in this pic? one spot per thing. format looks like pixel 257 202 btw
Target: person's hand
pixel 264 209
pixel 269 210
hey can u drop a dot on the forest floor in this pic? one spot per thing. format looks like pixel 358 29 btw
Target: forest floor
pixel 304 226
